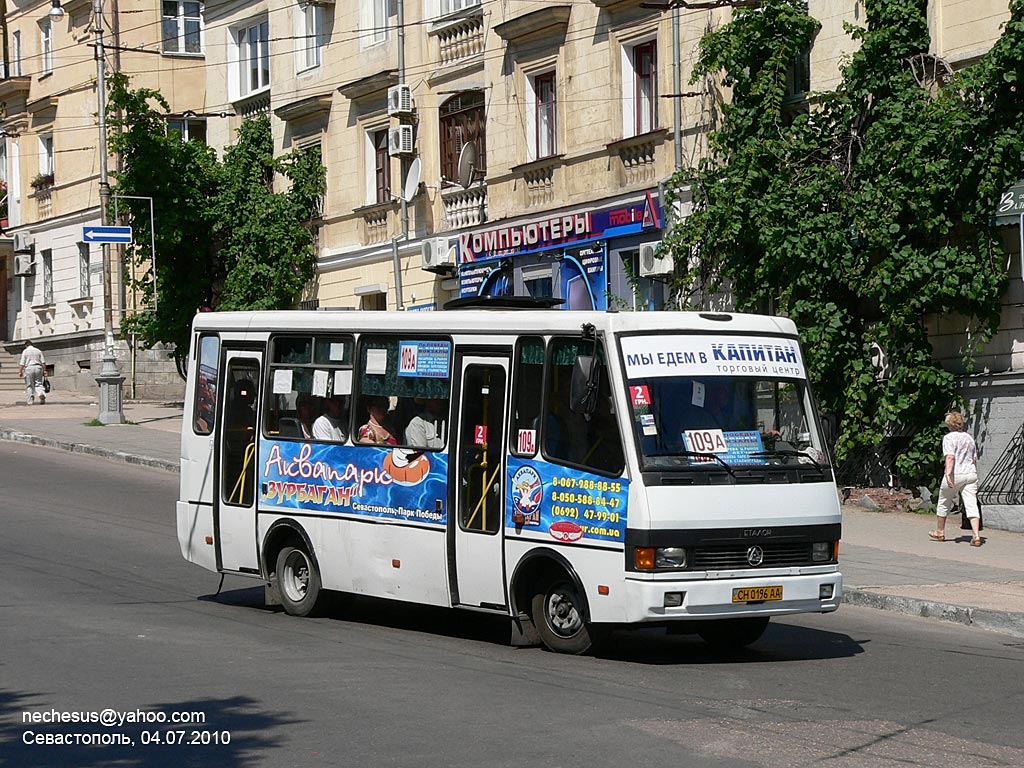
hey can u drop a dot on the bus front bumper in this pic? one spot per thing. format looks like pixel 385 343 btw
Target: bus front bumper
pixel 660 600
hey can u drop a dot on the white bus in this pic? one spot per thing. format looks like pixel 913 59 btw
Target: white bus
pixel 574 471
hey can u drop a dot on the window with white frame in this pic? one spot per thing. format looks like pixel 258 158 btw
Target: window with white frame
pixel 46 46
pixel 253 54
pixel 16 53
pixel 309 35
pixel 450 6
pixel 542 119
pixel 640 88
pixel 374 22
pixel 182 26
pixel 84 288
pixel 46 156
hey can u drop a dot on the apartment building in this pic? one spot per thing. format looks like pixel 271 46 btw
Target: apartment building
pixel 50 160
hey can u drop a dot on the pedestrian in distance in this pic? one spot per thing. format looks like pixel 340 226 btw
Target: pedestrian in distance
pixel 960 478
pixel 32 368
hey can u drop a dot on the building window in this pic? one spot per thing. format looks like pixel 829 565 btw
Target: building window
pixel 47 258
pixel 182 26
pixel 450 6
pixel 310 35
pixel 253 58
pixel 381 166
pixel 645 74
pixel 46 159
pixel 544 102
pixel 84 289
pixel 798 83
pixel 46 45
pixel 462 121
pixel 374 22
pixel 16 53
pixel 373 302
pixel 188 130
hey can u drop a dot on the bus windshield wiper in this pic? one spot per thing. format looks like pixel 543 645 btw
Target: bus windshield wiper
pixel 708 455
pixel 789 452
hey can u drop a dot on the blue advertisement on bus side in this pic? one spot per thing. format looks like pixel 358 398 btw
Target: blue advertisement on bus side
pixel 567 504
pixel 386 483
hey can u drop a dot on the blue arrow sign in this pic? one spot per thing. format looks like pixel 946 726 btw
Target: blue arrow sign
pixel 107 234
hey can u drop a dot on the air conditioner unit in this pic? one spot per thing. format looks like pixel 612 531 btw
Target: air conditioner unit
pixel 399 100
pixel 650 263
pixel 439 254
pixel 400 140
pixel 23 243
pixel 24 264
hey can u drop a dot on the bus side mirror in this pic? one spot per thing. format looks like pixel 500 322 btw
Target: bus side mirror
pixel 828 428
pixel 586 376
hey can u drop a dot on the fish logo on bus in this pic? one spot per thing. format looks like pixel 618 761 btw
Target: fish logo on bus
pixel 407 467
pixel 527 495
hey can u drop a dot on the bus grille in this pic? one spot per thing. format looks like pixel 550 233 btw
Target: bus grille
pixel 733 556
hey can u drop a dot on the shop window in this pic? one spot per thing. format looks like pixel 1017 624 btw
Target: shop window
pixel 586 440
pixel 405 386
pixel 305 372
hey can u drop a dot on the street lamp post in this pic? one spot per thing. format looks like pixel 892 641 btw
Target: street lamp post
pixel 110 380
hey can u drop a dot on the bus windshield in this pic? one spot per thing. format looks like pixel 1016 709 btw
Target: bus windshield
pixel 693 406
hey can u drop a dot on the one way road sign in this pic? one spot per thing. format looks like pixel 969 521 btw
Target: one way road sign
pixel 107 234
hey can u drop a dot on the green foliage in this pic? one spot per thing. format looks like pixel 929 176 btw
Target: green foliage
pixel 863 217
pixel 224 238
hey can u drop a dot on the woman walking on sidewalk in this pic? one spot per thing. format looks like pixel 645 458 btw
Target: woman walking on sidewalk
pixel 33 367
pixel 961 477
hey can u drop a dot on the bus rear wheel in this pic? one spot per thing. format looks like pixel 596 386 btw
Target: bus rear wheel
pixel 298 581
pixel 558 615
pixel 732 634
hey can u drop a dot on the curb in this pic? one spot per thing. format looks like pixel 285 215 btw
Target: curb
pixel 107 453
pixel 1005 622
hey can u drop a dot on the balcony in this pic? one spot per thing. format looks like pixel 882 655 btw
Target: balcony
pixel 460 37
pixel 465 207
pixel 374 226
pixel 539 180
pixel 637 157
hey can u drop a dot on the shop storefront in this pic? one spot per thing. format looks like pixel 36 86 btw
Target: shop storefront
pixel 590 259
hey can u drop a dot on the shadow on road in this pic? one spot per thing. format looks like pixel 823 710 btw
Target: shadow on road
pixel 781 641
pixel 233 733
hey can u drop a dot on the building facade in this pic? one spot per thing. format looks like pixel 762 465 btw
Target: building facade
pixel 50 160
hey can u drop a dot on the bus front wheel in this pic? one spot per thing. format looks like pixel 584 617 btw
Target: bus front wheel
pixel 558 615
pixel 732 634
pixel 298 581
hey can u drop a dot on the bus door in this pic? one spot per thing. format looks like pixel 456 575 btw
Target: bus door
pixel 235 515
pixel 476 478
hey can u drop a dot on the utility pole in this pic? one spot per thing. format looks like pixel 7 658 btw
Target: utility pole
pixel 110 380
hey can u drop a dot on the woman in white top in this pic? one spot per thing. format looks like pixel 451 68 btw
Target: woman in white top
pixel 961 477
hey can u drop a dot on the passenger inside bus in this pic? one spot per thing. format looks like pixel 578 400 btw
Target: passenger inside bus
pixel 332 424
pixel 427 428
pixel 376 431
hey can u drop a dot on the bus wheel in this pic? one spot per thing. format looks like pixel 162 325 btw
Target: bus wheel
pixel 298 581
pixel 558 616
pixel 732 634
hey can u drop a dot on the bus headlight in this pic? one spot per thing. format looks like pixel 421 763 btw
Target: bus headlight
pixel 821 551
pixel 670 557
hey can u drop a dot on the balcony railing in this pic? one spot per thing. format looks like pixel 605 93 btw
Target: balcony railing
pixel 375 223
pixel 539 180
pixel 637 156
pixel 465 207
pixel 460 39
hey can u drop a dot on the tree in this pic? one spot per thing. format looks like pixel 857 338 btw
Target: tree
pixel 865 215
pixel 224 238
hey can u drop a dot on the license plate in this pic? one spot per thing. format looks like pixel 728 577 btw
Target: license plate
pixel 756 594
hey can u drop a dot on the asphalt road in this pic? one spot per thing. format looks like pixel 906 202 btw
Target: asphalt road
pixel 98 612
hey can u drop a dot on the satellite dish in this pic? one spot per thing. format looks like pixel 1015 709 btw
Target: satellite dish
pixel 412 180
pixel 467 163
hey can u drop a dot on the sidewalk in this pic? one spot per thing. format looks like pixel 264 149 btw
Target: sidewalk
pixel 887 560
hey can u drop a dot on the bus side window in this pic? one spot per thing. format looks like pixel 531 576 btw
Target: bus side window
pixel 206 385
pixel 590 441
pixel 304 372
pixel 529 378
